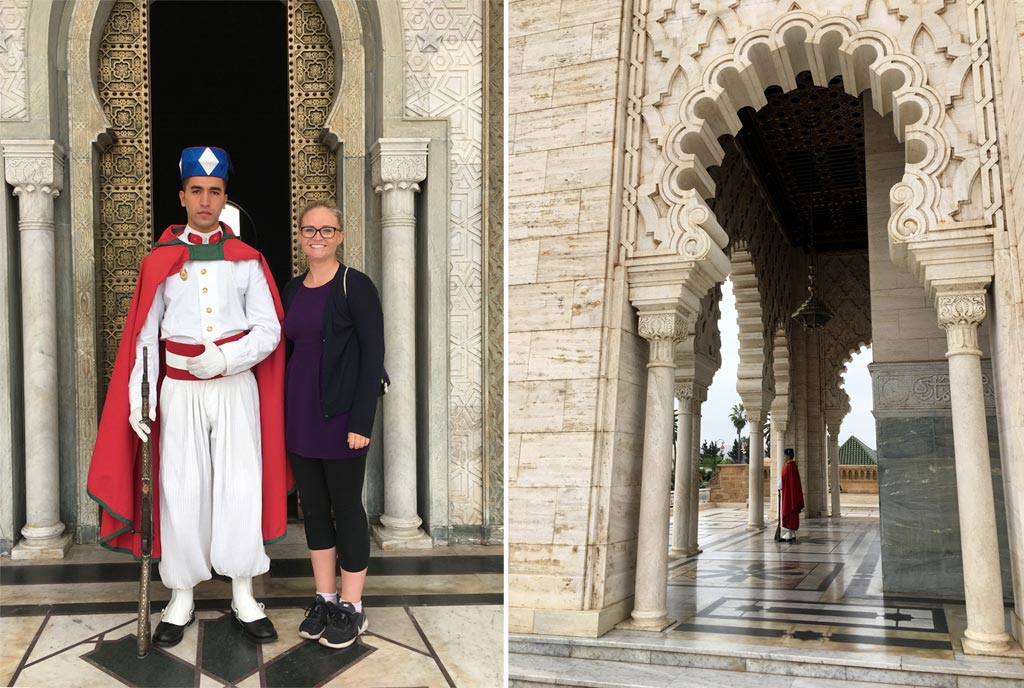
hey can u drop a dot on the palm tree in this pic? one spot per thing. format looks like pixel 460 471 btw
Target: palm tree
pixel 738 417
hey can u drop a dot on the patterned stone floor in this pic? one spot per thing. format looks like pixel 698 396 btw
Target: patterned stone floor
pixel 822 592
pixel 751 612
pixel 436 619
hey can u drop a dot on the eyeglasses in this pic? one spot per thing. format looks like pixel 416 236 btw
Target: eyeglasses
pixel 325 232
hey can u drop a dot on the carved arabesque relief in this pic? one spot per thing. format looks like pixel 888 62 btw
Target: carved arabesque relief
pixel 443 79
pixel 702 64
pixel 314 167
pixel 847 293
pixel 125 178
pixel 13 85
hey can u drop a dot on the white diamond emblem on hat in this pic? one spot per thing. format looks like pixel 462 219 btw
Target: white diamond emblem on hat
pixel 208 160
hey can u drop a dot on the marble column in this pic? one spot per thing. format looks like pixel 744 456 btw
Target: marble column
pixel 833 421
pixel 778 447
pixel 961 310
pixel 662 328
pixel 700 395
pixel 398 166
pixel 684 475
pixel 755 474
pixel 36 171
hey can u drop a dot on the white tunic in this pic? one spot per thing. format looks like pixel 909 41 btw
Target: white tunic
pixel 217 298
pixel 210 444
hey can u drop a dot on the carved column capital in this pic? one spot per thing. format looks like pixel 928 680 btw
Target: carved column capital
pixel 662 329
pixel 36 171
pixel 684 393
pixel 398 164
pixel 961 310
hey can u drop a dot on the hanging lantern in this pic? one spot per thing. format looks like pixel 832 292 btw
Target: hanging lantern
pixel 812 313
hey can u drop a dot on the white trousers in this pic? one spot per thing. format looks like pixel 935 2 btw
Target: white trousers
pixel 211 480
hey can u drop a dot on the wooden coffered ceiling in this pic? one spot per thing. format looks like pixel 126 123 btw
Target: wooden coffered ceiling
pixel 807 147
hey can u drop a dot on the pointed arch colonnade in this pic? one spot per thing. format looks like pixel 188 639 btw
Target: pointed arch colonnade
pixel 691 72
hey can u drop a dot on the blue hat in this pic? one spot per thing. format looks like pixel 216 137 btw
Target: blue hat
pixel 204 161
pixel 787 452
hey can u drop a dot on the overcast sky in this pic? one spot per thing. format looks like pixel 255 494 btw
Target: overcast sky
pixel 722 394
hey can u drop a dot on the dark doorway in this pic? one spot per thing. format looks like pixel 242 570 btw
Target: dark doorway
pixel 219 77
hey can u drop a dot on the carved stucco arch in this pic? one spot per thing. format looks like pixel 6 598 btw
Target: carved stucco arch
pixel 90 133
pixel 754 379
pixel 673 216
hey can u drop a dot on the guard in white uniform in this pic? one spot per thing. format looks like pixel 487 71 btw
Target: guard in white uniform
pixel 216 319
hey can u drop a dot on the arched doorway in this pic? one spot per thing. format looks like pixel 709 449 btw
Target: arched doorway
pixel 257 78
pixel 231 90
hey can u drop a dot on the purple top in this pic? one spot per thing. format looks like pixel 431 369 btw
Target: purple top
pixel 307 432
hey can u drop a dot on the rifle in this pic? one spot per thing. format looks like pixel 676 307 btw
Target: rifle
pixel 146 527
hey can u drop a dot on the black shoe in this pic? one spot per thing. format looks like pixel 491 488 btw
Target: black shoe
pixel 316 619
pixel 168 634
pixel 344 626
pixel 258 631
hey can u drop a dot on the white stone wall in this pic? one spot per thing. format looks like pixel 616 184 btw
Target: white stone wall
pixel 575 365
pixel 904 326
pixel 443 42
pixel 1007 320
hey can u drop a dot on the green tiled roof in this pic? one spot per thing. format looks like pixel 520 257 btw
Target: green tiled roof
pixel 856 453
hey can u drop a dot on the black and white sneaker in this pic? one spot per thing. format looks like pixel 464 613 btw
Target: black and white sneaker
pixel 345 625
pixel 317 616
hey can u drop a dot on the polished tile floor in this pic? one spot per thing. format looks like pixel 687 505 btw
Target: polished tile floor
pixel 822 592
pixel 436 619
pixel 751 612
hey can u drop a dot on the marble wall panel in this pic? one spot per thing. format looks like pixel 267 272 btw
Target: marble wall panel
pixel 540 306
pixel 580 411
pixel 443 44
pixel 594 209
pixel 531 16
pixel 578 167
pixel 523 258
pixel 533 92
pixel 538 406
pixel 920 523
pixel 534 511
pixel 554 127
pixel 555 459
pixel 587 302
pixel 581 256
pixel 546 214
pixel 526 173
pixel 584 83
pixel 571 514
pixel 557 48
pixel 562 354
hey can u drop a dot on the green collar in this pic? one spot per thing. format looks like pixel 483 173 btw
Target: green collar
pixel 200 251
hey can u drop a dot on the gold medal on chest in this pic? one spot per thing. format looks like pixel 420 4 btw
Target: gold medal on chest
pixel 183 274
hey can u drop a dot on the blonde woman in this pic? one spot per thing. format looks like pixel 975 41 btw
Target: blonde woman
pixel 334 328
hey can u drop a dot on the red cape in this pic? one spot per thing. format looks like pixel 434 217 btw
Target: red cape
pixel 792 496
pixel 116 457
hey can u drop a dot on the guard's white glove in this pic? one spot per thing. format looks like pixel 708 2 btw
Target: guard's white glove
pixel 210 363
pixel 141 429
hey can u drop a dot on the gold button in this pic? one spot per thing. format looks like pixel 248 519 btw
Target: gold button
pixel 203 271
pixel 205 290
pixel 209 328
pixel 209 310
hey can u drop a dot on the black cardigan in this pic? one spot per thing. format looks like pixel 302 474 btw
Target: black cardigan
pixel 353 348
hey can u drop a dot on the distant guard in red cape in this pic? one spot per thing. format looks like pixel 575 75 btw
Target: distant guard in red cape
pixel 206 307
pixel 792 497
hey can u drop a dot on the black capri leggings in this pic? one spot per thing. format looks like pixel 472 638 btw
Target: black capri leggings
pixel 324 483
